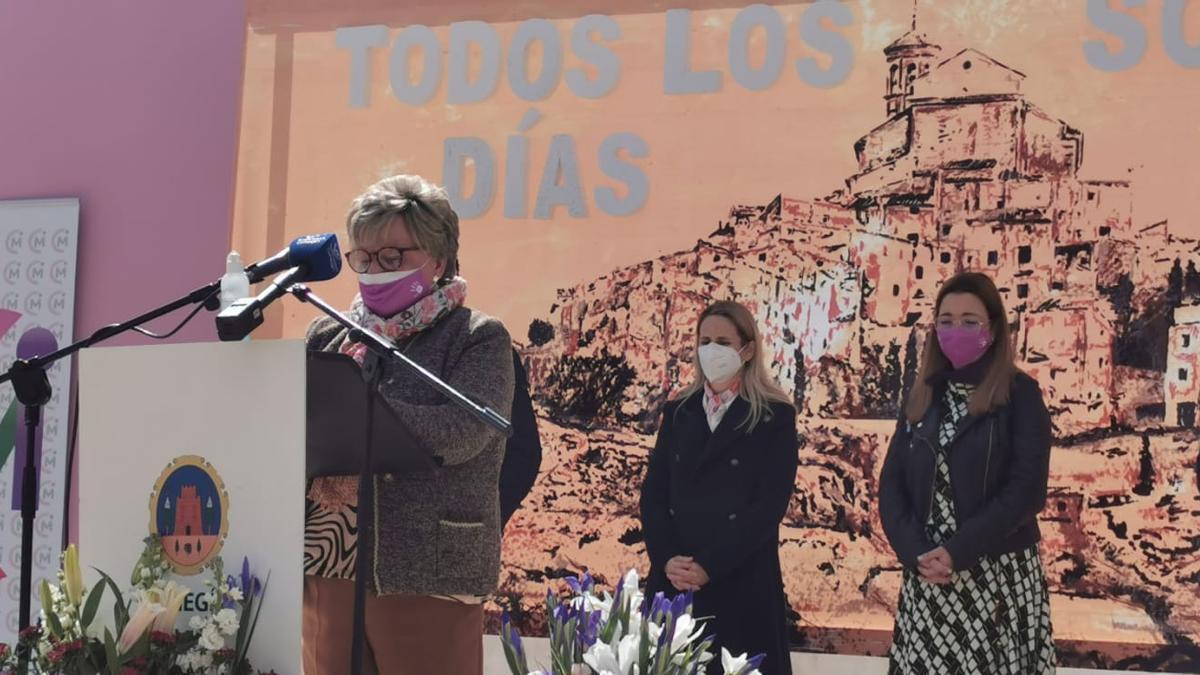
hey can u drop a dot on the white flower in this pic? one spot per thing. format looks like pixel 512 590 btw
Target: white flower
pixel 227 621
pixel 606 660
pixel 630 581
pixel 195 661
pixel 631 596
pixel 733 665
pixel 197 623
pixel 591 603
pixel 687 631
pixel 211 638
pixel 635 627
pixel 654 630
pixel 627 654
pixel 602 659
pixel 136 596
pixel 235 594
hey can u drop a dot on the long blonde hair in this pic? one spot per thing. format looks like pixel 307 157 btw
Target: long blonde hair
pixel 758 387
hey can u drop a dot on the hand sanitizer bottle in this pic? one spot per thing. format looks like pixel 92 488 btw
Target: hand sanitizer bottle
pixel 235 285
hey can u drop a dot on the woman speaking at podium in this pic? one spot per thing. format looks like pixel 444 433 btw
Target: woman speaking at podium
pixel 436 549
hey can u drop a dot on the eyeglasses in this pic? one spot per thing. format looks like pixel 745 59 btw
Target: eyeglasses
pixel 390 259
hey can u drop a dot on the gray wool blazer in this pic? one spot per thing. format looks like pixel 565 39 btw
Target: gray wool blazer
pixel 438 532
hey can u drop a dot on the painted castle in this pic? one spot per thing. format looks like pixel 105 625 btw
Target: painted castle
pixel 965 173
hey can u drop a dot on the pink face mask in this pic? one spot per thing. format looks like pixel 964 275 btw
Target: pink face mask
pixel 964 345
pixel 390 293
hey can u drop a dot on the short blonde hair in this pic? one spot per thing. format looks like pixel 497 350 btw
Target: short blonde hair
pixel 425 208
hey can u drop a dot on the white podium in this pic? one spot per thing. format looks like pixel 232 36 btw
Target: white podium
pixel 204 445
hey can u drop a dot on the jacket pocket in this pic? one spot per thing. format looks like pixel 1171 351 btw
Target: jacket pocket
pixel 459 549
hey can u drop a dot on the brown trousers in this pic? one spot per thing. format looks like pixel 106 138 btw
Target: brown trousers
pixel 406 634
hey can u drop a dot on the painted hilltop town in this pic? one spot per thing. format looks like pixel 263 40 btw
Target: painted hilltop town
pixel 965 173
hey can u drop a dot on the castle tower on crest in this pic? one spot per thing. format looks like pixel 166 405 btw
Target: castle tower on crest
pixel 187 513
pixel 909 57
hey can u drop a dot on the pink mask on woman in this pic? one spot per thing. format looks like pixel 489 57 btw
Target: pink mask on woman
pixel 390 293
pixel 964 345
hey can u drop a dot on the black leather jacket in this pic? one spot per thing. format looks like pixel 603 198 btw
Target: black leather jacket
pixel 999 467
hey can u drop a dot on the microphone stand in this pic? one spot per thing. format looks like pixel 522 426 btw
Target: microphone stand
pixel 382 349
pixel 33 391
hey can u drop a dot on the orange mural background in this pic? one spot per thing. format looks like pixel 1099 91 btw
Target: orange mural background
pixel 834 213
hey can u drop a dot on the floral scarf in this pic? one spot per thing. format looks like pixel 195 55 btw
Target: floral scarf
pixel 423 314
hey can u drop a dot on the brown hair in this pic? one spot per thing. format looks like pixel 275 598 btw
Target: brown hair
pixel 758 386
pixel 993 390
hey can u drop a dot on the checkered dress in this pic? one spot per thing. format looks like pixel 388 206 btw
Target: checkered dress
pixel 993 619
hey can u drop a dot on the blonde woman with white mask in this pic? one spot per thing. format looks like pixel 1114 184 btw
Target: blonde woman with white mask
pixel 718 484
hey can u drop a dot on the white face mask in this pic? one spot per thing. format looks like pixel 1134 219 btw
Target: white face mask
pixel 388 277
pixel 719 362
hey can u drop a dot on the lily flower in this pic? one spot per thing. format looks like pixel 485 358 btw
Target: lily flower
pixel 72 576
pixel 139 623
pixel 171 598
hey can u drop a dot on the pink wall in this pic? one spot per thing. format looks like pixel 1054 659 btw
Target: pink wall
pixel 133 108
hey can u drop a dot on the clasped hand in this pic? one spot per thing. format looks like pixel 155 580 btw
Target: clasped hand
pixel 936 566
pixel 685 574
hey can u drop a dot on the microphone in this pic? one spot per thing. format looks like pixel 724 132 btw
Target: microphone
pixel 243 316
pixel 311 258
pixel 319 252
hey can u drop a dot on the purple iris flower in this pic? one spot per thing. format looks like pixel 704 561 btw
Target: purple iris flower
pixel 589 630
pixel 581 585
pixel 658 606
pixel 681 603
pixel 247 581
pixel 562 614
pixel 511 635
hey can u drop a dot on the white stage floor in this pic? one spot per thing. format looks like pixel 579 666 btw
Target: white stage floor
pixel 802 664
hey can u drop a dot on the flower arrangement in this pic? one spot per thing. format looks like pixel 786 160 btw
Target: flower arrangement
pixel 622 634
pixel 142 636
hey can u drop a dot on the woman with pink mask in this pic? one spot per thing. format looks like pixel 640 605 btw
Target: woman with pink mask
pixel 962 485
pixel 435 552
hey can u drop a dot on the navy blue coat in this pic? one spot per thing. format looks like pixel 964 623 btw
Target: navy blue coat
pixel 720 497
